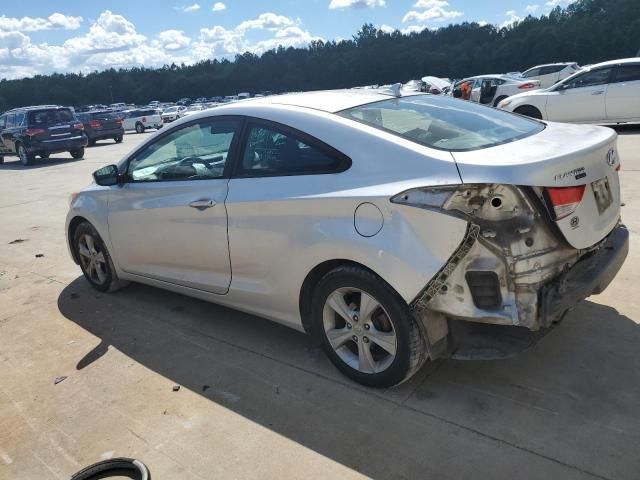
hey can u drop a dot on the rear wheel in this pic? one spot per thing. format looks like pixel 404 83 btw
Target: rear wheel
pixel 139 128
pixel 529 111
pixel 95 261
pixel 1 159
pixel 25 157
pixel 77 154
pixel 366 328
pixel 498 100
pixel 118 139
pixel 91 142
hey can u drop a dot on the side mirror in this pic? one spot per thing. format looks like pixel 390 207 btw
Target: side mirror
pixel 107 176
pixel 562 87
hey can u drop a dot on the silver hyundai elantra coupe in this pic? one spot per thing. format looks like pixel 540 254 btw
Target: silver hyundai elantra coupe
pixel 379 223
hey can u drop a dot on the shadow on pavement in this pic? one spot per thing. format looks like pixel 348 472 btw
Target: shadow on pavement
pixel 13 163
pixel 567 408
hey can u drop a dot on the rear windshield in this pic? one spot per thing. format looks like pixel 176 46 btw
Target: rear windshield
pixel 105 116
pixel 444 123
pixel 58 115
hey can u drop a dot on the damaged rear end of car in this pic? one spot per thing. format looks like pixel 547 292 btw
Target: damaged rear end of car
pixel 542 235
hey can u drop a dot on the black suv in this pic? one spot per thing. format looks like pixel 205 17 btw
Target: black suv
pixel 43 130
pixel 99 125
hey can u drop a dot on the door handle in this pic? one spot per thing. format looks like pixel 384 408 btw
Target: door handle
pixel 599 92
pixel 202 204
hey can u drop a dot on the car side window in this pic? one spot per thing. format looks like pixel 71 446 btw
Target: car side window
pixel 198 151
pixel 3 122
pixel 271 151
pixel 11 120
pixel 590 79
pixel 534 72
pixel 627 73
pixel 20 119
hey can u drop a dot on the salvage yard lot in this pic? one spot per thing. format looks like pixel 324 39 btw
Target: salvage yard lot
pixel 258 400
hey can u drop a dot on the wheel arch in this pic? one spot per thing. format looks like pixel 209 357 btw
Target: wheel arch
pixel 73 224
pixel 312 279
pixel 528 106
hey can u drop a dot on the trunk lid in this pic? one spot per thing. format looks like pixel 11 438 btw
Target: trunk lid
pixel 562 155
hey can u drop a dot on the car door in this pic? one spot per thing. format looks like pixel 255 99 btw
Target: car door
pixel 9 133
pixel 476 90
pixel 623 94
pixel 168 221
pixel 3 126
pixel 581 98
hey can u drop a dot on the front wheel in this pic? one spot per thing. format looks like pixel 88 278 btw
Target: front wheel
pixel 498 100
pixel 365 328
pixel 95 261
pixel 118 139
pixel 77 154
pixel 139 128
pixel 1 159
pixel 529 111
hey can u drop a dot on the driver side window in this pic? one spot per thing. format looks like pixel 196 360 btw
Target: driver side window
pixel 590 79
pixel 195 152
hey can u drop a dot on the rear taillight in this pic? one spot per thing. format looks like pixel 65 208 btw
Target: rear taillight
pixel 78 126
pixel 618 167
pixel 32 132
pixel 119 121
pixel 525 86
pixel 95 123
pixel 564 200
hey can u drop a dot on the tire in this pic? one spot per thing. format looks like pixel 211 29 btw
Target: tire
pixel 529 111
pixel 95 260
pixel 118 139
pixel 139 128
pixel 77 154
pixel 44 156
pixel 1 159
pixel 358 353
pixel 91 142
pixel 25 158
pixel 498 100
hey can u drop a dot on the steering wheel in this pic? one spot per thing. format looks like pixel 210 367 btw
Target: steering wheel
pixel 191 160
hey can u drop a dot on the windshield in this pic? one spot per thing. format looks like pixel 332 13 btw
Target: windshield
pixel 444 123
pixel 171 110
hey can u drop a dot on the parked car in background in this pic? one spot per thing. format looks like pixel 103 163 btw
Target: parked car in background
pixel 230 98
pixel 118 106
pixel 194 108
pixel 40 131
pixel 605 93
pixel 483 217
pixel 184 101
pixel 492 89
pixel 173 113
pixel 551 73
pixel 102 125
pixel 244 95
pixel 201 100
pixel 141 119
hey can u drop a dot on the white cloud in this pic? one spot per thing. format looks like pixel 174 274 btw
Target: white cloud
pixel 172 40
pixel 413 29
pixel 386 28
pixel 432 11
pixel 218 7
pixel 556 3
pixel 512 19
pixel 33 24
pixel 335 4
pixel 113 41
pixel 483 23
pixel 189 8
pixel 531 8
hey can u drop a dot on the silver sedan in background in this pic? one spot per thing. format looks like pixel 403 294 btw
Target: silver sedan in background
pixel 382 225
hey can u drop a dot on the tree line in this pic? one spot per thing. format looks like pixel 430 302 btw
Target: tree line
pixel 587 31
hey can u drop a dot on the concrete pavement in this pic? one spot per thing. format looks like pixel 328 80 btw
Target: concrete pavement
pixel 257 400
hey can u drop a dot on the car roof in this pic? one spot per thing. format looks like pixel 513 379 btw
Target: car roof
pixel 330 101
pixel 614 62
pixel 550 65
pixel 35 107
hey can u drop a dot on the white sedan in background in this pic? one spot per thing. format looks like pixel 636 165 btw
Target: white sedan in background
pixel 172 114
pixel 383 225
pixel 551 73
pixel 606 93
pixel 492 89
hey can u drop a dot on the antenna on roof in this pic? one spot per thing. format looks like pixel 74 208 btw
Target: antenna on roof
pixel 394 90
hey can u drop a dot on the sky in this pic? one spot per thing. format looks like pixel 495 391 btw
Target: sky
pixel 45 36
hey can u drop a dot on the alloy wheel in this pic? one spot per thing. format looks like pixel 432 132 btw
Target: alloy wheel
pixel 359 330
pixel 92 259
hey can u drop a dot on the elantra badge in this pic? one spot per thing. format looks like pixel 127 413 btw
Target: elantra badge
pixel 611 157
